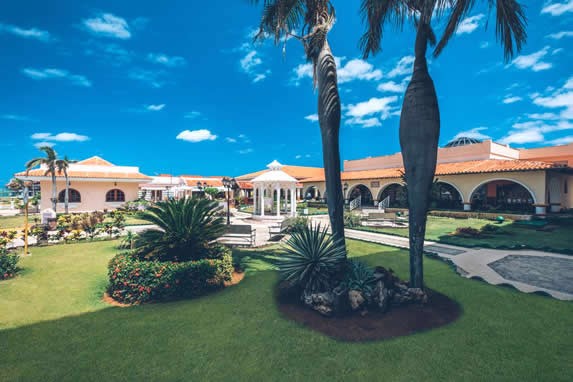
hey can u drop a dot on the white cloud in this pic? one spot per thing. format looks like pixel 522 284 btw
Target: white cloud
pixel 61 137
pixel 560 35
pixel 246 151
pixel 155 107
pixel 557 9
pixel 50 73
pixel 163 59
pixel 392 87
pixel 470 24
pixel 44 144
pixel 512 99
pixel 357 69
pixel 312 117
pixel 152 78
pixel 533 61
pixel 403 67
pixel 560 99
pixel 196 135
pixel 231 140
pixel 192 114
pixel 15 117
pixel 520 137
pixel 544 116
pixel 108 25
pixel 561 141
pixel 251 64
pixel 484 44
pixel 31 33
pixel 475 133
pixel 369 113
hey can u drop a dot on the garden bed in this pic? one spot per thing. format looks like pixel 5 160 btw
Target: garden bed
pixel 399 321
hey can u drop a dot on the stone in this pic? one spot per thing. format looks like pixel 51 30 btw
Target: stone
pixel 381 296
pixel 48 214
pixel 356 299
pixel 410 295
pixel 321 302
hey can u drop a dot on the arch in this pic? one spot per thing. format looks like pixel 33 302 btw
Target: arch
pixel 115 195
pixel 362 191
pixel 74 196
pixel 397 193
pixel 312 192
pixel 446 195
pixel 504 193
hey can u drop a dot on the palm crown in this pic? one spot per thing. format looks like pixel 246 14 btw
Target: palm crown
pixel 49 161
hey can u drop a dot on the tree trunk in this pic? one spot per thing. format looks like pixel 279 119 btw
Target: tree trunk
pixel 54 192
pixel 67 195
pixel 329 119
pixel 419 134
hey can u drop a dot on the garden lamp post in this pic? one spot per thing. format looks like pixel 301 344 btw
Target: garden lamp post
pixel 345 187
pixel 25 199
pixel 229 183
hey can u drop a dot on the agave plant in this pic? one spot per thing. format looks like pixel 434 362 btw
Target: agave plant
pixel 359 277
pixel 186 227
pixel 312 259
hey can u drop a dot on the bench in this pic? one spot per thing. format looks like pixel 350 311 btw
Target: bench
pixel 382 216
pixel 239 235
pixel 279 229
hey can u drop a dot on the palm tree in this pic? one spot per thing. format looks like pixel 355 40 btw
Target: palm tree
pixel 50 162
pixel 314 19
pixel 420 117
pixel 62 165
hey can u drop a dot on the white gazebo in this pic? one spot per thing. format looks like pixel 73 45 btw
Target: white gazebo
pixel 272 192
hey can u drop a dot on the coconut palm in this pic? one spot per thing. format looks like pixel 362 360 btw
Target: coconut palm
pixel 63 165
pixel 50 162
pixel 314 19
pixel 420 117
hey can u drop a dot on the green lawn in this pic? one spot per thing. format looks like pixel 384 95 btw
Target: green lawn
pixel 512 235
pixel 54 328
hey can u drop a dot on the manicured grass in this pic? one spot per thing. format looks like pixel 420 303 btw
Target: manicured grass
pixel 441 228
pixel 55 328
pixel 17 222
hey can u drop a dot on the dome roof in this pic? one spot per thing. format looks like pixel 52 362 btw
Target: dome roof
pixel 462 141
pixel 275 175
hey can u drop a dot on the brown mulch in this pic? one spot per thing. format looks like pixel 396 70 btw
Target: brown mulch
pixel 397 322
pixel 235 279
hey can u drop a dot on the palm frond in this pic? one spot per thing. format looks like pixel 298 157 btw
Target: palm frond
pixel 375 14
pixel 510 25
pixel 459 11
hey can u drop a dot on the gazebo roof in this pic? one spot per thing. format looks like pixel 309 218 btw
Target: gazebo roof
pixel 275 175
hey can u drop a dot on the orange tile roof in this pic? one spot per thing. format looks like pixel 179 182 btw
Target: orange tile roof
pixel 95 161
pixel 87 174
pixel 298 172
pixel 457 168
pixel 210 182
pixel 244 185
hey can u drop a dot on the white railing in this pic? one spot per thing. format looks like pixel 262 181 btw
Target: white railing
pixel 356 203
pixel 384 203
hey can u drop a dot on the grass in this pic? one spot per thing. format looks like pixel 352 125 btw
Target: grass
pixel 55 328
pixel 440 229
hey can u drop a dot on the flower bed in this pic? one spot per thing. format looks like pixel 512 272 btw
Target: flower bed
pixel 134 281
pixel 8 264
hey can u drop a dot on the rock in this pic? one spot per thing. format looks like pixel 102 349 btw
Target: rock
pixel 381 296
pixel 410 295
pixel 321 302
pixel 341 303
pixel 356 299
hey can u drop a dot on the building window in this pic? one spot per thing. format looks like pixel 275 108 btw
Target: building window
pixel 73 197
pixel 115 196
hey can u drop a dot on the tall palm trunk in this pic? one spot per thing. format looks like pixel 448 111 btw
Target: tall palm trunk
pixel 54 191
pixel 419 134
pixel 67 194
pixel 329 119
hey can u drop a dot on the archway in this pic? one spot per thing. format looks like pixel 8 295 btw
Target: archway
pixel 396 194
pixel 446 196
pixel 502 195
pixel 312 193
pixel 362 191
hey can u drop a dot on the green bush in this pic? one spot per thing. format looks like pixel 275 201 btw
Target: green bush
pixel 296 224
pixel 312 259
pixel 359 276
pixel 468 232
pixel 134 281
pixel 8 264
pixel 351 220
pixel 490 228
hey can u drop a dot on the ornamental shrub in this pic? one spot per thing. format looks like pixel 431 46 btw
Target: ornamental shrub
pixel 468 232
pixel 8 264
pixel 133 280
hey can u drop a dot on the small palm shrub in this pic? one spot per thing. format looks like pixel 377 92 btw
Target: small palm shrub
pixel 186 229
pixel 312 259
pixel 297 224
pixel 359 276
pixel 8 264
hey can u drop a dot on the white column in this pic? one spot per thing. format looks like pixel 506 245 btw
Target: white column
pixel 278 201
pixel 255 200
pixel 286 200
pixel 293 201
pixel 262 200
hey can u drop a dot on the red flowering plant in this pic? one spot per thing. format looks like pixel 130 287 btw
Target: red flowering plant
pixel 8 264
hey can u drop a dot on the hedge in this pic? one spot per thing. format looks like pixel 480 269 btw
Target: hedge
pixel 8 264
pixel 134 281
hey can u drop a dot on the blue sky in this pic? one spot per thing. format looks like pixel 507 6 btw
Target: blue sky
pixel 178 87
